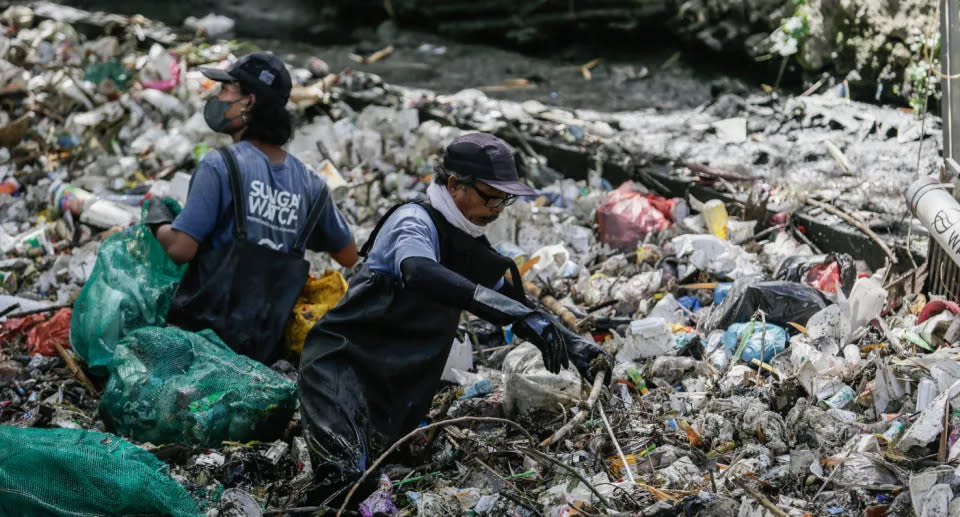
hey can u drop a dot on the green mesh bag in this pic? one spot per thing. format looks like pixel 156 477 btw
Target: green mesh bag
pixel 170 385
pixel 131 286
pixel 74 472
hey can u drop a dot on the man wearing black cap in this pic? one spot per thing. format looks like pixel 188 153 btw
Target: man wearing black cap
pixel 371 366
pixel 251 211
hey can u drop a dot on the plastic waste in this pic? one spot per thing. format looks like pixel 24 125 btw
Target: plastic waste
pixel 528 385
pixel 670 310
pixel 714 255
pixel 167 104
pixel 772 341
pixel 650 337
pixel 552 261
pixel 781 302
pixel 380 502
pixel 926 392
pixel 480 388
pixel 867 299
pixel 721 291
pixel 823 272
pixel 460 358
pixel 320 294
pixel 715 217
pixel 74 471
pixel 170 385
pixel 162 70
pixel 212 25
pixel 627 216
pixel 44 338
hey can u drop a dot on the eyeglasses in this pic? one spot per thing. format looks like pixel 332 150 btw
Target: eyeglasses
pixel 494 201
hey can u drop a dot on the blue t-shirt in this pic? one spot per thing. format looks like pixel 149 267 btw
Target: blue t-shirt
pixel 408 232
pixel 277 198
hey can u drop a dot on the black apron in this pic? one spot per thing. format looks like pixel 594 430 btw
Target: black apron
pixel 244 292
pixel 371 366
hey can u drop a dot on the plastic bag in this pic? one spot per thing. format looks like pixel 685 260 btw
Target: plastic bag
pixel 319 295
pixel 626 217
pixel 170 385
pixel 528 385
pixel 131 286
pixel 820 271
pixel 42 339
pixel 782 302
pixel 78 472
pixel 771 341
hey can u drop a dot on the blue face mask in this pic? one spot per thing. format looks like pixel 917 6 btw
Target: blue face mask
pixel 215 114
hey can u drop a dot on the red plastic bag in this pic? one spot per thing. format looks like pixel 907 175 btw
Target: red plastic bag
pixel 41 331
pixel 16 327
pixel 626 217
pixel 41 338
pixel 663 205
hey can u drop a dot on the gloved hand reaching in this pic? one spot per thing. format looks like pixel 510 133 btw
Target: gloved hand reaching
pixel 529 324
pixel 161 211
pixel 588 357
pixel 541 330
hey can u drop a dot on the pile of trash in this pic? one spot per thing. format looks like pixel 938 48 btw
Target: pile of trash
pixel 755 374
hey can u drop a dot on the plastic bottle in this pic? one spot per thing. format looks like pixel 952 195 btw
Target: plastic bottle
pixel 926 392
pixel 715 216
pixel 637 380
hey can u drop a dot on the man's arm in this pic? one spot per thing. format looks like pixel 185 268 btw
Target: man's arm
pixel 348 256
pixel 180 246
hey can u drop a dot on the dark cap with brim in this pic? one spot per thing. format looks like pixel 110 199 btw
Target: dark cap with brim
pixel 263 73
pixel 489 160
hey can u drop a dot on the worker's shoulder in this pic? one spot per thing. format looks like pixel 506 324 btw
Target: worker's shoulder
pixel 411 215
pixel 213 160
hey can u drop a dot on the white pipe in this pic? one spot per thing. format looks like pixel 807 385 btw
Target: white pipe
pixel 939 212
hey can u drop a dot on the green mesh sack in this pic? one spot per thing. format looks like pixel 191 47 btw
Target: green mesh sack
pixel 170 385
pixel 77 472
pixel 131 286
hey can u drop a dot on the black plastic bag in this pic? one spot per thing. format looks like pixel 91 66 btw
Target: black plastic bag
pixel 781 302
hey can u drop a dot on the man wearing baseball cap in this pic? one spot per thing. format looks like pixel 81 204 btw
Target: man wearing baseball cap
pixel 371 366
pixel 251 211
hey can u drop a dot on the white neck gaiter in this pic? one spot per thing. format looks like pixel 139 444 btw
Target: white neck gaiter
pixel 441 199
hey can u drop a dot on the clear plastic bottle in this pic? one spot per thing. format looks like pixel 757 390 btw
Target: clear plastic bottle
pixel 715 216
pixel 926 392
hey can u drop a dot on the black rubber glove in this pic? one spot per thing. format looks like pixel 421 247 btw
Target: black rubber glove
pixel 588 357
pixel 158 212
pixel 542 331
pixel 529 324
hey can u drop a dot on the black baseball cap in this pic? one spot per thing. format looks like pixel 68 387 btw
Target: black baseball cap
pixel 261 72
pixel 488 159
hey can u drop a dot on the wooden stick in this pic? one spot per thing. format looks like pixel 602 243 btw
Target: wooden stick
pixel 75 368
pixel 772 508
pixel 585 69
pixel 857 223
pixel 413 433
pixel 373 58
pixel 616 445
pixel 577 419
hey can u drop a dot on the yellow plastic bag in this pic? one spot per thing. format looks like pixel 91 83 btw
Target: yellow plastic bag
pixel 318 296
